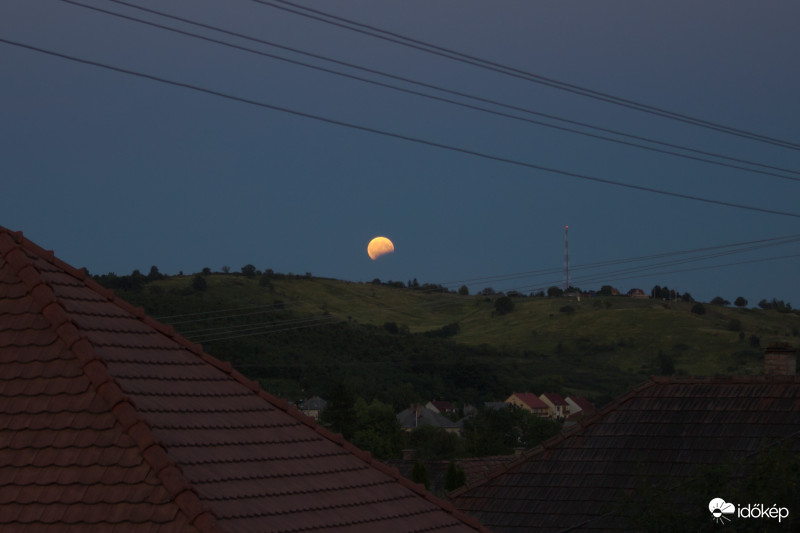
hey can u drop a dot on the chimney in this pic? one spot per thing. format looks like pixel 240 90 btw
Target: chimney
pixel 780 359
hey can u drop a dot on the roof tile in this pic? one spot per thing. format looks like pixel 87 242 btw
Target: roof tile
pixel 665 429
pixel 158 435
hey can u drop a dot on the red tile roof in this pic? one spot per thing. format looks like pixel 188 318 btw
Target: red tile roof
pixel 531 400
pixel 665 429
pixel 582 402
pixel 555 398
pixel 109 421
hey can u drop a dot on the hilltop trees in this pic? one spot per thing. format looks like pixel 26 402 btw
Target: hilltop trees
pixel 503 305
pixel 740 302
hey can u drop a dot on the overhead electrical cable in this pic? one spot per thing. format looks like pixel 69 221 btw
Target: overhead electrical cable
pixel 403 40
pixel 211 334
pixel 323 322
pixel 409 138
pixel 772 241
pixel 770 169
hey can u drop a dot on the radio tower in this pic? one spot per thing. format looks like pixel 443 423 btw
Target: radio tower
pixel 566 258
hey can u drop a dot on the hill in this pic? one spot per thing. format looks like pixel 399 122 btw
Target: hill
pixel 301 335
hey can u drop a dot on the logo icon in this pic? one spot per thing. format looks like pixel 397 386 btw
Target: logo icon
pixel 719 508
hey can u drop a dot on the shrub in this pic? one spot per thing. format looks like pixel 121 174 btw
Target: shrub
pixel 199 283
pixel 503 305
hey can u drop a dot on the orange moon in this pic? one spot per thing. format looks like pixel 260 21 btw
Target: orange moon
pixel 379 246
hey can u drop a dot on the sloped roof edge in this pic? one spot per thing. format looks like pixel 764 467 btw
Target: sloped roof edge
pixel 583 424
pixel 95 369
pixel 124 409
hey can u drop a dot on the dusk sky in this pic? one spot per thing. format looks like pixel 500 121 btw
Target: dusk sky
pixel 223 156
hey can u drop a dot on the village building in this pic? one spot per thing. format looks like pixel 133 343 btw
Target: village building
pixel 579 407
pixel 557 407
pixel 530 402
pixel 313 407
pixel 441 407
pixel 417 416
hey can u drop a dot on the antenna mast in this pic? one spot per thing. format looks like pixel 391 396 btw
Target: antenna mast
pixel 566 258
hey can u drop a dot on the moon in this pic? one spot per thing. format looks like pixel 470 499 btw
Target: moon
pixel 379 246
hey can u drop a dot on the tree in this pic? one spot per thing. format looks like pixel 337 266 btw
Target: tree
pixel 249 270
pixel 419 474
pixel 377 429
pixel 698 309
pixel 719 300
pixel 666 364
pixel 454 478
pixel 340 415
pixel 503 305
pixel 154 274
pixel 554 292
pixel 740 302
pixel 463 290
pixel 498 432
pixel 655 292
pixel 199 283
pixel 606 290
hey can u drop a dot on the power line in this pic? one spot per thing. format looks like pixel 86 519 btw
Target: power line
pixel 770 169
pixel 399 136
pixel 403 40
pixel 213 334
pixel 327 321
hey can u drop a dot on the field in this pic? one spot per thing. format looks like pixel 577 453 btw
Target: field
pixel 299 335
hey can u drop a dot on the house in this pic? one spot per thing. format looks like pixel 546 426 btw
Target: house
pixel 496 406
pixel 111 422
pixel 644 452
pixel 637 293
pixel 530 402
pixel 313 407
pixel 579 405
pixel 441 407
pixel 557 407
pixel 416 416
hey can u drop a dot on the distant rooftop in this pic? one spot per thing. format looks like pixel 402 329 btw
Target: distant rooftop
pixel 662 431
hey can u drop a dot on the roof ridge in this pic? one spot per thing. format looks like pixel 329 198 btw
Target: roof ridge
pixel 562 435
pixel 13 248
pixel 205 518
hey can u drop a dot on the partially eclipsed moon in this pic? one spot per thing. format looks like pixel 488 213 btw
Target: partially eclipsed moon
pixel 379 246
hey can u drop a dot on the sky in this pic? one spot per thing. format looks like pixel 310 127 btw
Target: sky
pixel 195 154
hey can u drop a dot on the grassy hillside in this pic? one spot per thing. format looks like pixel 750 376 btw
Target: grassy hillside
pixel 299 335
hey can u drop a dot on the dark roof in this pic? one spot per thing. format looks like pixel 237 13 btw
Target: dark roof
pixel 315 403
pixel 409 419
pixel 555 398
pixel 443 406
pixel 112 422
pixel 666 428
pixel 581 402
